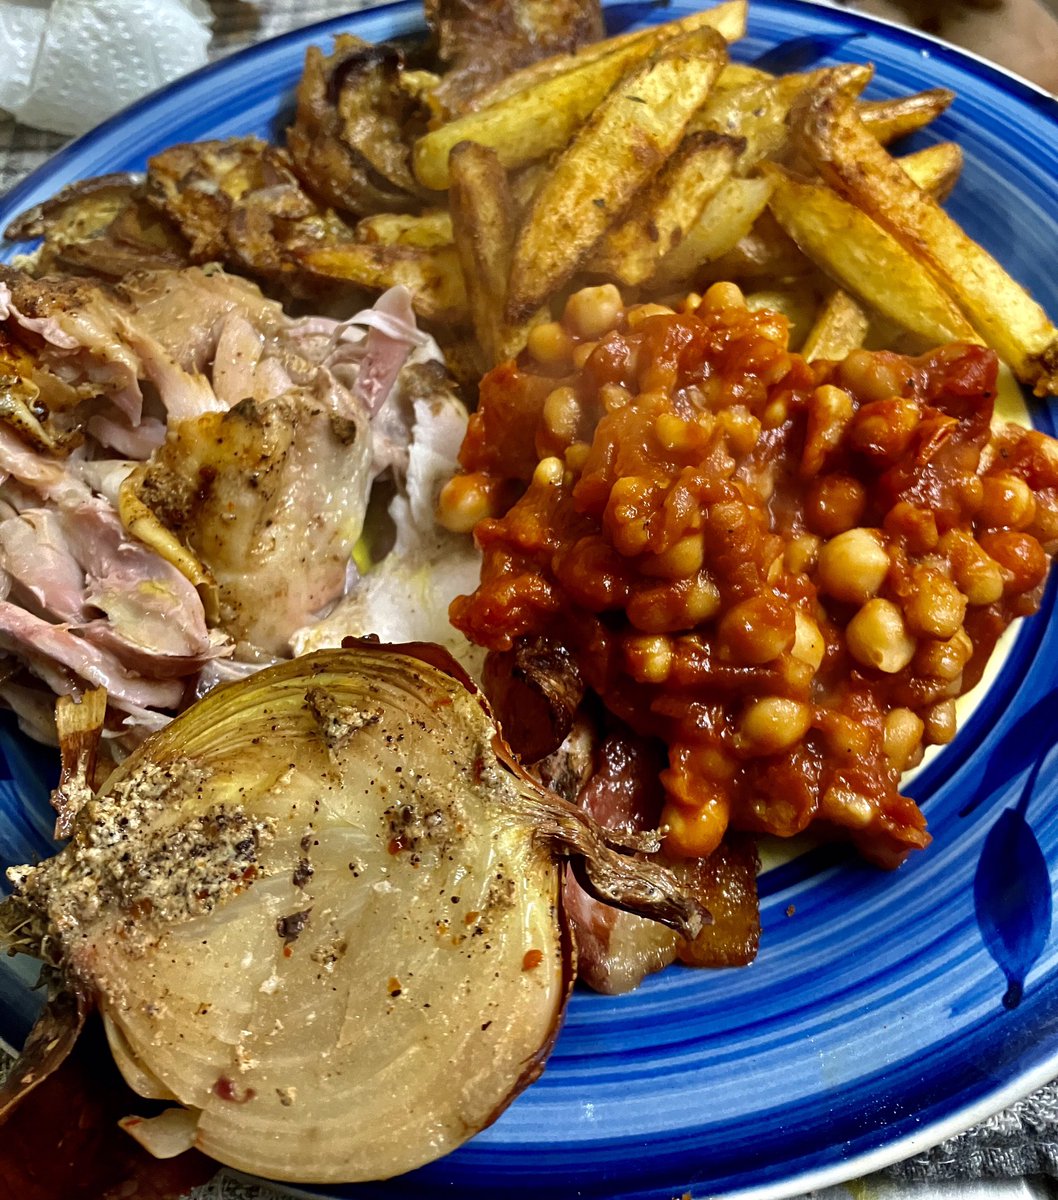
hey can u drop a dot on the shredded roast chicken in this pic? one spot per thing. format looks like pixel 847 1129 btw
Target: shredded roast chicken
pixel 186 473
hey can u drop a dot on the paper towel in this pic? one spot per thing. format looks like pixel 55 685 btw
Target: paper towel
pixel 68 64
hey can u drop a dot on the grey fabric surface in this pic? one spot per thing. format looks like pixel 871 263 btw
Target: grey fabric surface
pixel 1022 1140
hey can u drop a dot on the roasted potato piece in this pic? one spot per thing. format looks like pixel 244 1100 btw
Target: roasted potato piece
pixel 936 169
pixel 891 119
pixel 482 43
pixel 670 205
pixel 76 212
pixel 428 230
pixel 724 222
pixel 532 123
pixel 853 250
pixel 433 276
pixel 757 111
pixel 348 139
pixel 483 223
pixel 630 134
pixel 858 167
pixel 728 19
pixel 840 327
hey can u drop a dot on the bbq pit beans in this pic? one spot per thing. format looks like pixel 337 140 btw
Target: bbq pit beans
pixel 786 571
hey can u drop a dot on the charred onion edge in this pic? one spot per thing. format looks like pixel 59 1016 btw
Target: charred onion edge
pixel 601 860
pixel 49 1042
pixel 33 223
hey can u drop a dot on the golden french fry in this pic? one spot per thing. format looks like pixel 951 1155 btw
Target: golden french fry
pixel 728 19
pixel 891 119
pixel 539 120
pixel 758 111
pixel 631 133
pixel 766 252
pixel 936 169
pixel 724 222
pixel 433 276
pixel 862 257
pixel 483 222
pixel 428 230
pixel 840 327
pixel 849 158
pixel 630 251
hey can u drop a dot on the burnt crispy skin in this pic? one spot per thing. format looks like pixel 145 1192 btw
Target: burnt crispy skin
pixel 351 136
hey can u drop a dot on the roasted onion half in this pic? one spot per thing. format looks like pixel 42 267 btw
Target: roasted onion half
pixel 320 913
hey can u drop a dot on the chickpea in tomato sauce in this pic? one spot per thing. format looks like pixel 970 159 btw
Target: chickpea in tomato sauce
pixel 786 571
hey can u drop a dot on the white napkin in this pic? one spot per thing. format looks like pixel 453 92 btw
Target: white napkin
pixel 68 64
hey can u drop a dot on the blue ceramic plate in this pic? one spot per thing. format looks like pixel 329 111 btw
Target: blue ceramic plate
pixel 885 1011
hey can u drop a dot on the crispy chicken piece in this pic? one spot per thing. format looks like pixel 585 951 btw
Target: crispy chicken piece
pixel 482 41
pixel 350 141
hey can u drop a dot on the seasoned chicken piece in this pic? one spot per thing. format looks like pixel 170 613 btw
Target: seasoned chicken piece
pixel 482 41
pixel 350 142
pixel 271 497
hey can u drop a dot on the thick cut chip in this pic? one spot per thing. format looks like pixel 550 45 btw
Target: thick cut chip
pixel 724 222
pixel 657 222
pixel 840 327
pixel 629 136
pixel 852 161
pixel 850 247
pixel 483 223
pixel 891 119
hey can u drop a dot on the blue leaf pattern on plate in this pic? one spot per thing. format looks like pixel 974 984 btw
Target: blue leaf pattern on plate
pixel 1012 885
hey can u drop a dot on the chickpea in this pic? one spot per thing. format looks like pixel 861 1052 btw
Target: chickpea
pixel 939 722
pixel 724 295
pixel 877 637
pixel 649 658
pixel 945 659
pixel 774 723
pixel 903 735
pixel 695 832
pixel 916 527
pixel 757 630
pixel 639 313
pixel 614 396
pixel 550 344
pixel 1007 502
pixel 549 472
pixel 592 311
pixel 775 413
pixel 853 566
pixel 829 411
pixel 464 501
pixel 562 414
pixel 977 575
pixel 871 376
pixel 679 561
pixel 701 600
pixel 1020 557
pixel 802 553
pixel 741 427
pixel 883 429
pixel 674 433
pixel 576 456
pixel 846 737
pixel 845 807
pixel 582 353
pixel 809 646
pixel 936 608
pixel 835 503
